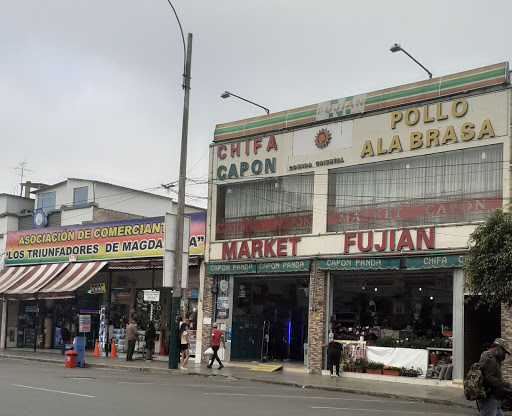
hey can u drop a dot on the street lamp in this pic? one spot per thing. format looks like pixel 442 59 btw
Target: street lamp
pixel 227 94
pixel 396 48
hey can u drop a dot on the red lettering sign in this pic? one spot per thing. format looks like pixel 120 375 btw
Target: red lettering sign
pixel 435 209
pixel 259 248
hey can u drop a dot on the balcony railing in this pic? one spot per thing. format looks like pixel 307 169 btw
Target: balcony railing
pixel 268 225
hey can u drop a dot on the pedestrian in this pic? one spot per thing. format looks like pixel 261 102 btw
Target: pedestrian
pixel 215 344
pixel 150 341
pixel 184 345
pixel 334 350
pixel 131 337
pixel 496 388
pixel 65 336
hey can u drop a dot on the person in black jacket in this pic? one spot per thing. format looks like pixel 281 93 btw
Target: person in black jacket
pixel 65 336
pixel 334 350
pixel 496 388
pixel 150 340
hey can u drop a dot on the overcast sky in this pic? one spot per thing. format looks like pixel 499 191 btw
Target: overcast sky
pixel 92 89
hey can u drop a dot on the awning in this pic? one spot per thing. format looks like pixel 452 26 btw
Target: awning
pixel 135 265
pixel 73 276
pixel 12 275
pixel 37 277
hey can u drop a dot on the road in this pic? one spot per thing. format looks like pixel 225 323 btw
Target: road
pixel 34 388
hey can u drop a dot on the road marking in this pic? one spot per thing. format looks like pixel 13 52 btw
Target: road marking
pixel 186 385
pixel 134 382
pixel 302 397
pixel 54 391
pixel 383 411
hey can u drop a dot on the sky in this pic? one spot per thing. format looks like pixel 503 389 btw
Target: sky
pixel 93 89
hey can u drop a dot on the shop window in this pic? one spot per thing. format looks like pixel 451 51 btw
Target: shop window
pixel 270 207
pixel 80 195
pixel 394 309
pixel 448 187
pixel 46 201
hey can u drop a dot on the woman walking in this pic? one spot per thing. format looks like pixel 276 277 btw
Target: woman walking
pixel 184 345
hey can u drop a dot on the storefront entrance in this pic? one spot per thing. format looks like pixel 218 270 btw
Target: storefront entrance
pixel 391 305
pixel 270 319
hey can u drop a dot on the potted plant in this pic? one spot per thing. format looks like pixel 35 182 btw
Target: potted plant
pixel 410 372
pixel 374 367
pixel 361 365
pixel 351 365
pixel 389 370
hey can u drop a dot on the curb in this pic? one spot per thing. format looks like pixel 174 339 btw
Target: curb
pixel 444 402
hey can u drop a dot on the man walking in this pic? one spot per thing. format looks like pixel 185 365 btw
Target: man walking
pixel 131 337
pixel 215 344
pixel 496 388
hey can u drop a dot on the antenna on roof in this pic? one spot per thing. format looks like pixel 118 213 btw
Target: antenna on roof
pixel 21 167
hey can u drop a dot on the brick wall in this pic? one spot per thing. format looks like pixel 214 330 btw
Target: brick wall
pixel 207 313
pixel 106 215
pixel 317 302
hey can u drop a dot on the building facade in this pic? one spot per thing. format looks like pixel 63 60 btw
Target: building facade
pixel 94 249
pixel 350 219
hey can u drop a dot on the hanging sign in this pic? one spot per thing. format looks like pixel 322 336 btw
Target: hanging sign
pixel 98 288
pixel 151 296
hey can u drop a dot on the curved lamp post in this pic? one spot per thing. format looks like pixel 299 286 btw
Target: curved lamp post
pixel 227 94
pixel 396 48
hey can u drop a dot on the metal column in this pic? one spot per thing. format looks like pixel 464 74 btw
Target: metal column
pixel 458 324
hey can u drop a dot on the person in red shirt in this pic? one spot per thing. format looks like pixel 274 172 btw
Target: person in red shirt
pixel 215 344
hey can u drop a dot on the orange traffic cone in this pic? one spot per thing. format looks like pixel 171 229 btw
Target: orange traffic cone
pixel 113 353
pixel 96 350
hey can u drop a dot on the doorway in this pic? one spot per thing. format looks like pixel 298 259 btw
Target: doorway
pixel 270 319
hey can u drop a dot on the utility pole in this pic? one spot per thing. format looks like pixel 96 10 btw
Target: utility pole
pixel 178 253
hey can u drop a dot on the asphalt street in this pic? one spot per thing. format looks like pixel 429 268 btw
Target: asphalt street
pixel 33 388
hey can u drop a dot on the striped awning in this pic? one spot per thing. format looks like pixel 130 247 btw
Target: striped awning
pixel 12 275
pixel 70 279
pixel 33 280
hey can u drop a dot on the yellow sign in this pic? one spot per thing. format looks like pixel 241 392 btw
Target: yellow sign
pixel 98 288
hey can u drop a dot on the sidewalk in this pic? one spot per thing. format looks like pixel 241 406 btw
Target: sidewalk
pixel 430 394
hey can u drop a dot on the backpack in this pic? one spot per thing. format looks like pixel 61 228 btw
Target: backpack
pixel 473 383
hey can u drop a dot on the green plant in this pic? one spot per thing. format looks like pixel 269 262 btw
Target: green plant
pixel 361 363
pixel 374 365
pixel 409 372
pixel 391 368
pixel 488 267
